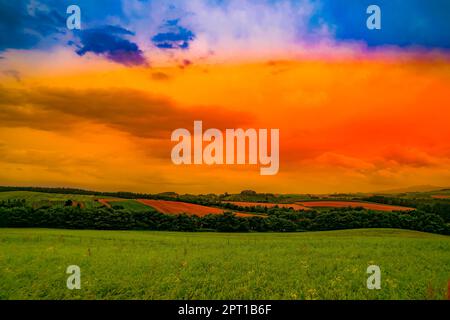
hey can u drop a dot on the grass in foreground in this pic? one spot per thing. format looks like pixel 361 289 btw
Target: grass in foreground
pixel 169 265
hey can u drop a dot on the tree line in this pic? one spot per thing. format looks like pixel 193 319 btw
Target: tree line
pixel 436 206
pixel 19 214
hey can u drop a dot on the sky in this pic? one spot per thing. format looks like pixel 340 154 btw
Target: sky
pixel 358 110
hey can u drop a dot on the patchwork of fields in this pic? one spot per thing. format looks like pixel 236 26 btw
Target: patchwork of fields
pixel 176 207
pixel 307 205
pixel 353 204
pixel 39 199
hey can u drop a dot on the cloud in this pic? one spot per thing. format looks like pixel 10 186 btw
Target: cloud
pixel 135 112
pixel 24 156
pixel 111 42
pixel 289 28
pixel 343 161
pixel 226 29
pixel 13 74
pixel 411 157
pixel 173 36
pixel 23 24
pixel 249 27
pixel 415 23
pixel 160 76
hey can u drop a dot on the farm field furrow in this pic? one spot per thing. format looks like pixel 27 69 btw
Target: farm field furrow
pixel 353 204
pixel 440 196
pixel 176 207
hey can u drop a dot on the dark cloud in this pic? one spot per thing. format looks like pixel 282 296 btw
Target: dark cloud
pixel 173 36
pixel 185 63
pixel 160 76
pixel 111 42
pixel 13 74
pixel 131 111
pixel 23 24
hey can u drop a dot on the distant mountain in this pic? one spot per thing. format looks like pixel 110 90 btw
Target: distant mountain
pixel 422 188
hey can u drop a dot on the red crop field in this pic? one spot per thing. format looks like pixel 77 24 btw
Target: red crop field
pixel 294 206
pixel 437 196
pixel 354 204
pixel 176 207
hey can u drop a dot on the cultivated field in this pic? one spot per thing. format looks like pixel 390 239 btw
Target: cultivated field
pixel 440 196
pixel 171 265
pixel 51 199
pixel 131 205
pixel 176 207
pixel 307 205
pixel 294 206
pixel 353 204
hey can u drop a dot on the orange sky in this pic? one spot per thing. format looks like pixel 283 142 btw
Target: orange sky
pixel 345 125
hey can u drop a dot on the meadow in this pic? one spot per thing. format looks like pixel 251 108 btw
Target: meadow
pixel 41 196
pixel 131 205
pixel 39 199
pixel 179 265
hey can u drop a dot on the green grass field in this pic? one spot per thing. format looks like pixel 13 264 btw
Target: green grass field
pixel 131 205
pixel 169 265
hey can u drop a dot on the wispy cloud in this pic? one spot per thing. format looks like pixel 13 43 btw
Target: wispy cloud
pixel 228 29
pixel 24 24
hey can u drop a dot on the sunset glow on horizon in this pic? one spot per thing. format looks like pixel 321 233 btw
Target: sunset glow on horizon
pixel 352 118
